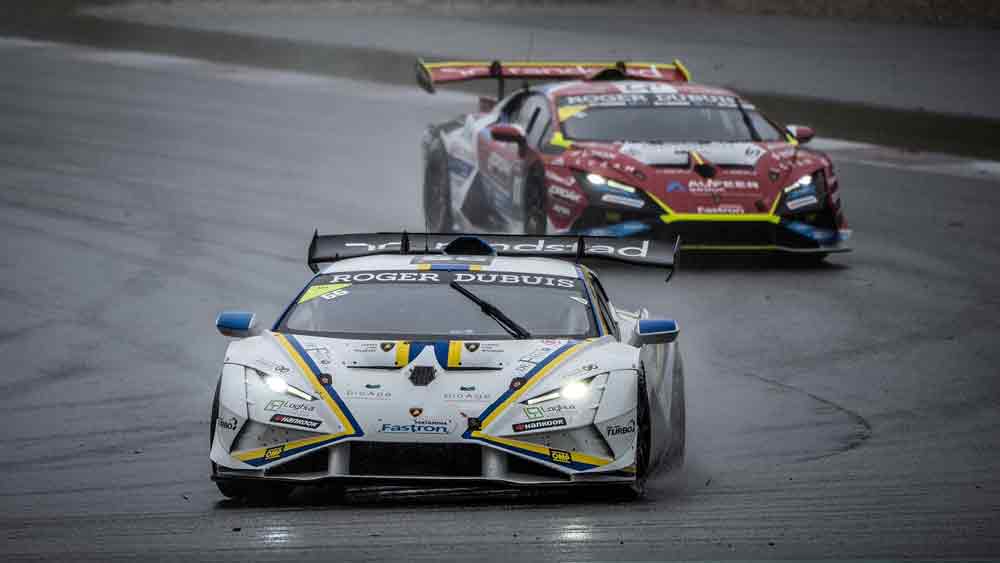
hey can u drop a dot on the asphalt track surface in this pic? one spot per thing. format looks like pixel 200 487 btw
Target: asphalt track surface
pixel 842 411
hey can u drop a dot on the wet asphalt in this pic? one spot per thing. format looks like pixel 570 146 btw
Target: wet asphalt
pixel 842 411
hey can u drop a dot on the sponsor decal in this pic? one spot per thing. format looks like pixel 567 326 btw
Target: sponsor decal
pixel 467 388
pixel 725 209
pixel 644 88
pixel 548 410
pixel 375 277
pixel 537 354
pixel 372 386
pixel 484 347
pixel 566 193
pixel 534 412
pixel 272 366
pixel 227 423
pixel 621 429
pixel 281 404
pixel 470 260
pixel 386 346
pixel 523 367
pixel 622 200
pixel 603 154
pixel 676 186
pixel 520 279
pixel 800 202
pixel 417 427
pixel 369 394
pixel 416 411
pixel 564 180
pixel 325 291
pixel 538 424
pixel 296 421
pixel 364 348
pixel 560 456
pixel 712 186
pixel 541 245
pixel 274 453
pixel 754 152
pixel 463 277
pixel 650 99
pixel 467 396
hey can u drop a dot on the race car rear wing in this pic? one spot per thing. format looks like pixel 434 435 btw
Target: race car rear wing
pixel 324 249
pixel 431 74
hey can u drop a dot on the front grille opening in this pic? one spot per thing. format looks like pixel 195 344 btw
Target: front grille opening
pixel 521 466
pixel 313 462
pixel 410 460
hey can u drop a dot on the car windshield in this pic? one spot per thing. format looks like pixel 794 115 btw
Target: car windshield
pixel 660 119
pixel 414 305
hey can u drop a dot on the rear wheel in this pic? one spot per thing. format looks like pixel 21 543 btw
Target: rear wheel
pixel 437 191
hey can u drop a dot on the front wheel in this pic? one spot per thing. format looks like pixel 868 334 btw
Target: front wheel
pixel 637 489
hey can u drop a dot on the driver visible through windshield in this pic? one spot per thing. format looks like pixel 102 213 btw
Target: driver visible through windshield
pixel 425 304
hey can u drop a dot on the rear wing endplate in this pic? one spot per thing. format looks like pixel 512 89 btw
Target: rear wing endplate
pixel 324 249
pixel 430 75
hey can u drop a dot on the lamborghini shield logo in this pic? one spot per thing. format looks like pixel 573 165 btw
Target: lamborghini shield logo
pixel 472 346
pixel 416 411
pixel 386 346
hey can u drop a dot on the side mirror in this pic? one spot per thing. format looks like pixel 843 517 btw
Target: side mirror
pixel 801 133
pixel 507 133
pixel 237 324
pixel 654 331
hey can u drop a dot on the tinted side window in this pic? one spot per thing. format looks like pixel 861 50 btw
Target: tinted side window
pixel 604 306
pixel 540 122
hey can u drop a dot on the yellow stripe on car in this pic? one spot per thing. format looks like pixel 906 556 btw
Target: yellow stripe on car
pixel 538 376
pixel 317 386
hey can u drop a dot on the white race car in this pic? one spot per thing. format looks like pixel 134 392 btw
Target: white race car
pixel 443 360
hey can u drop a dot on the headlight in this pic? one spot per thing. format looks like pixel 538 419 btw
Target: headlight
pixel 600 181
pixel 573 391
pixel 279 385
pixel 802 182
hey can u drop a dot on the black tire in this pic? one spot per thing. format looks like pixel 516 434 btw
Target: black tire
pixel 259 492
pixel 637 489
pixel 535 219
pixel 437 191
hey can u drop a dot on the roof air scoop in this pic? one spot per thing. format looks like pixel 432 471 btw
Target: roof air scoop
pixel 469 246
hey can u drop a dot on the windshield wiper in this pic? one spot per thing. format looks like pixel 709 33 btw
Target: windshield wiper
pixel 747 121
pixel 490 310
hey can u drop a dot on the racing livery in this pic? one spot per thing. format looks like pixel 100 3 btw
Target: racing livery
pixel 626 149
pixel 452 359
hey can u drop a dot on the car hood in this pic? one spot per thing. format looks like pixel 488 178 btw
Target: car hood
pixel 377 384
pixel 742 177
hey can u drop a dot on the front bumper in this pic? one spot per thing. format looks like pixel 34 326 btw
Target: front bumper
pixel 733 235
pixel 363 462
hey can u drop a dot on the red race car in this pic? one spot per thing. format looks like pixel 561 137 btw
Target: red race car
pixel 626 149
